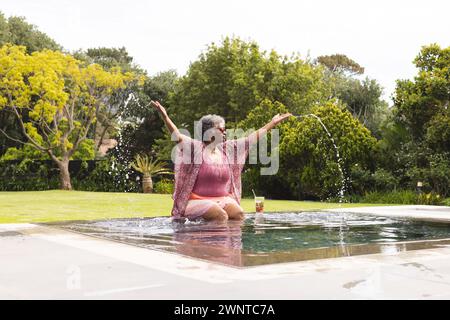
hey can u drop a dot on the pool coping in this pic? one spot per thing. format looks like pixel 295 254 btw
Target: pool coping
pixel 414 212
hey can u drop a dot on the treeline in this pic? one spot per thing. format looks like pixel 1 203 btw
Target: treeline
pixel 383 149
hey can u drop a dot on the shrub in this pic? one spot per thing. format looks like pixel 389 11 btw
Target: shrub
pixel 164 186
pixel 383 180
pixel 402 197
pixel 446 202
pixel 430 198
pixel 395 197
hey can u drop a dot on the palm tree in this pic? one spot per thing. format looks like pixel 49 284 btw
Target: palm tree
pixel 148 167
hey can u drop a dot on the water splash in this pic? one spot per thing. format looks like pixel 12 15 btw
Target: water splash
pixel 336 149
pixel 120 167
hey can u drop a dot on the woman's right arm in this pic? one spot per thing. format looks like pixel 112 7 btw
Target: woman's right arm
pixel 169 124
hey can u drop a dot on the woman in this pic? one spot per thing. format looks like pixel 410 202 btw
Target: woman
pixel 208 170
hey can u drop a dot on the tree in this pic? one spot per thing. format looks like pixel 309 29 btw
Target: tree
pixel 340 63
pixel 55 99
pixel 362 97
pixel 16 30
pixel 140 139
pixel 363 100
pixel 232 78
pixel 308 158
pixel 107 118
pixel 308 161
pixel 417 101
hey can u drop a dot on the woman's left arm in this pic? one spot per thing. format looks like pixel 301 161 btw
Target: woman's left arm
pixel 255 136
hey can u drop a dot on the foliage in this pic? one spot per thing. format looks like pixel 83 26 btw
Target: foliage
pixel 340 63
pixel 363 100
pixel 26 175
pixel 149 167
pixel 434 174
pixel 430 198
pixel 15 30
pixel 308 163
pixel 55 99
pixel 392 197
pixel 437 135
pixel 142 138
pixel 232 78
pixel 401 197
pixel 84 152
pixel 363 181
pixel 418 101
pixel 164 186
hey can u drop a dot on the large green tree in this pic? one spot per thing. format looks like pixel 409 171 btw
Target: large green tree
pixel 55 99
pixel 414 145
pixel 232 78
pixel 308 156
pixel 16 30
pixel 363 97
pixel 308 160
pixel 139 125
pixel 420 100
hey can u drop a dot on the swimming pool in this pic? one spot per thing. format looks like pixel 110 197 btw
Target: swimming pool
pixel 272 237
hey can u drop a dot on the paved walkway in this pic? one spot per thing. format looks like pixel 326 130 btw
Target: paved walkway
pixel 47 263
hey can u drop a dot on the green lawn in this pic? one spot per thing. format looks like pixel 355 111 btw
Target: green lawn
pixel 57 205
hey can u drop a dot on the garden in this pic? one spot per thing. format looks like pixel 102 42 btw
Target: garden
pixel 80 122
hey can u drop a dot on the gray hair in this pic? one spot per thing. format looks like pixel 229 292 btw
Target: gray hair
pixel 208 122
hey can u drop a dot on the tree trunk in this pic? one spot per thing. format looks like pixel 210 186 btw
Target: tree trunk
pixel 64 175
pixel 147 184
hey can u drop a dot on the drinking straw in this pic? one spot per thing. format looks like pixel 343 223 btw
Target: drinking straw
pixel 254 194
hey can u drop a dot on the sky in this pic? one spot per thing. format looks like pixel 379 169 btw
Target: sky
pixel 383 36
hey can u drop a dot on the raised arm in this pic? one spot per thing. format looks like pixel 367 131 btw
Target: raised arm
pixel 169 124
pixel 255 136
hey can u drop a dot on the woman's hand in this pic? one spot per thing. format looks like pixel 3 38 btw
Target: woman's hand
pixel 162 111
pixel 255 136
pixel 280 118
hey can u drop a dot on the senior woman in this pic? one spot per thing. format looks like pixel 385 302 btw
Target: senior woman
pixel 208 169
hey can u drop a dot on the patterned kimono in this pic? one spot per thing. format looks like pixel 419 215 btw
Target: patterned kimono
pixel 188 159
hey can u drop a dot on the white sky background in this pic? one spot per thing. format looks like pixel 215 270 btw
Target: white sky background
pixel 384 36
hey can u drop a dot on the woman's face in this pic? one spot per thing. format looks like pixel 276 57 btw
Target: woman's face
pixel 221 131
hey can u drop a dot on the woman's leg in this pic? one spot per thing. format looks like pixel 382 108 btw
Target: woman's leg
pixel 234 211
pixel 215 213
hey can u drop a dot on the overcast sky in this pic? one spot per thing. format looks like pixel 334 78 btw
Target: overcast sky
pixel 384 36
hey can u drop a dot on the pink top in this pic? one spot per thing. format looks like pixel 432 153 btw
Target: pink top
pixel 213 177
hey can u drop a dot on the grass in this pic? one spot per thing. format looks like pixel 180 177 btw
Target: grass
pixel 57 205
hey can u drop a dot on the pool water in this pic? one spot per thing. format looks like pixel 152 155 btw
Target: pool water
pixel 272 237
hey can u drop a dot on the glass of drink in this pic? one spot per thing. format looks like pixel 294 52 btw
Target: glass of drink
pixel 259 203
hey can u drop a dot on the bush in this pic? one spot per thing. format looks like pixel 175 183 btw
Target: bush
pixel 28 175
pixel 383 180
pixel 435 176
pixel 395 197
pixel 401 197
pixel 446 202
pixel 106 177
pixel 360 181
pixel 164 186
pixel 429 198
pixel 363 181
pixel 37 175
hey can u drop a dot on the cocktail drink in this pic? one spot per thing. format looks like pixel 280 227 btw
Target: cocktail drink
pixel 259 204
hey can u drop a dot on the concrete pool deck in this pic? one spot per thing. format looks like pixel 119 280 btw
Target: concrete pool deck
pixel 418 212
pixel 39 262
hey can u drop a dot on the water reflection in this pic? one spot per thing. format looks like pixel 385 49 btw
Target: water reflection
pixel 217 241
pixel 271 238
